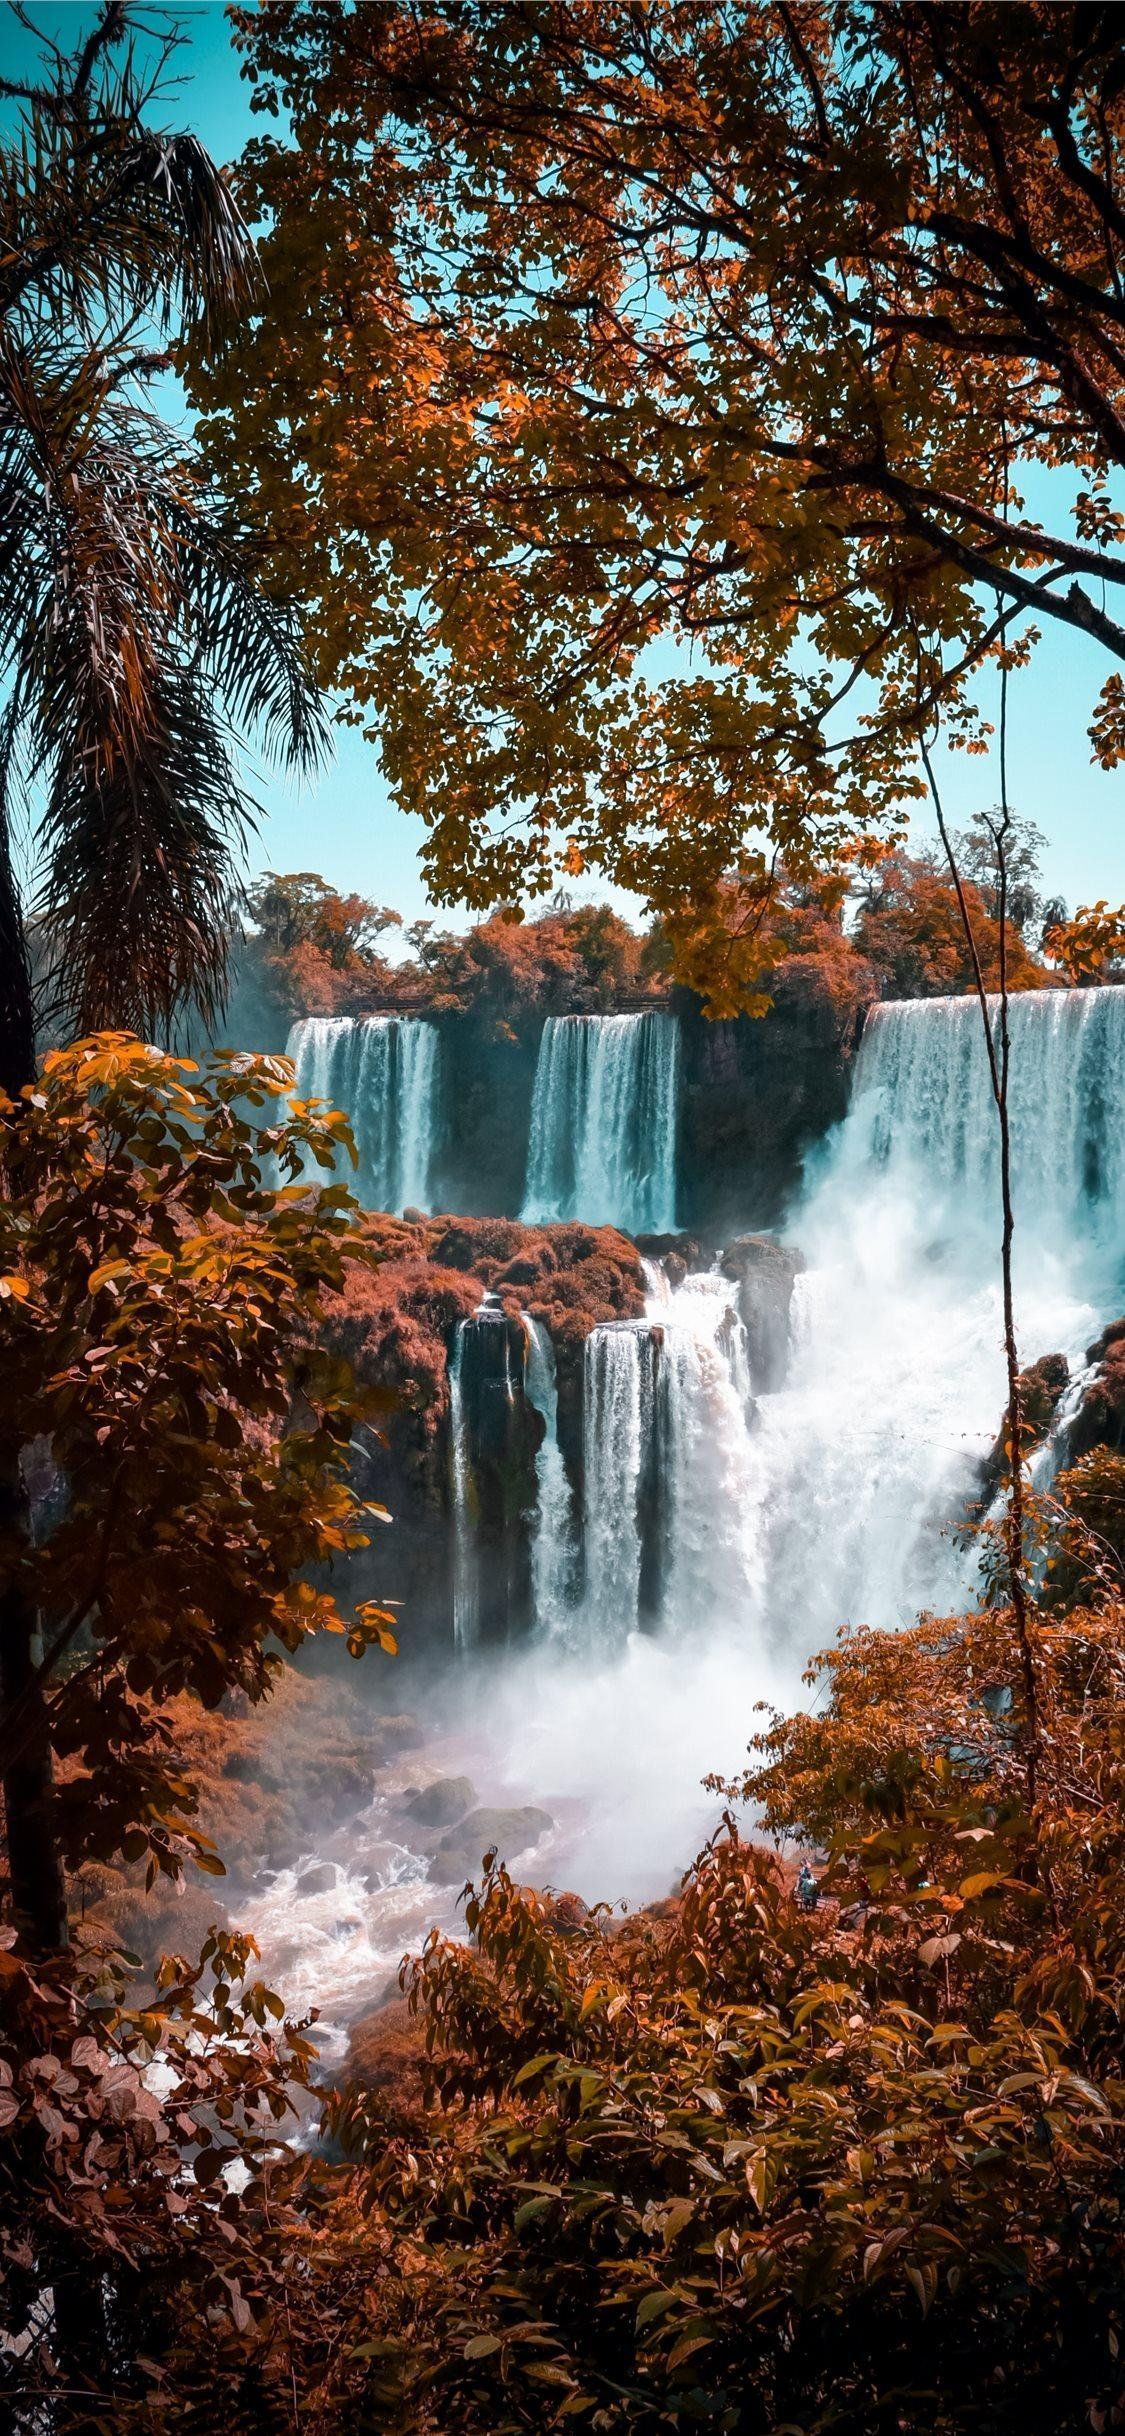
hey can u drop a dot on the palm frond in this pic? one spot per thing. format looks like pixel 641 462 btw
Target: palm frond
pixel 138 855
pixel 102 212
pixel 136 646
pixel 251 638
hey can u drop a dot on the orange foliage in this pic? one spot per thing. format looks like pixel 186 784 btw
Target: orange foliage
pixel 910 929
pixel 628 436
pixel 394 1322
pixel 566 963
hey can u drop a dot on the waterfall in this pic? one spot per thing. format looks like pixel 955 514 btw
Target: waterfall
pixel 708 1459
pixel 382 1070
pixel 669 1465
pixel 897 1380
pixel 619 1404
pixel 831 1499
pixel 552 1546
pixel 466 1568
pixel 756 1524
pixel 923 1103
pixel 603 1122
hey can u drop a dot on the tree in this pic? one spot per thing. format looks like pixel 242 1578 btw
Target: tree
pixel 910 927
pixel 978 857
pixel 154 1289
pixel 743 331
pixel 137 643
pixel 1092 944
pixel 188 1438
pixel 135 639
pixel 290 908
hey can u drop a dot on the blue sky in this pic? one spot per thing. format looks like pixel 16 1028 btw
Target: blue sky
pixel 345 825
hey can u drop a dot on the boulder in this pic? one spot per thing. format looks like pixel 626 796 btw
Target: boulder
pixel 397 1734
pixel 1100 1418
pixel 507 1832
pixel 678 1254
pixel 318 1879
pixel 444 1802
pixel 764 1271
pixel 1042 1387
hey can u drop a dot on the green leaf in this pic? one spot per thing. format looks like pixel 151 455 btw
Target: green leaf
pixel 528 2072
pixel 687 2348
pixel 532 2208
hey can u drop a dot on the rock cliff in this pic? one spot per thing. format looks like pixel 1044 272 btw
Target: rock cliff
pixel 397 1324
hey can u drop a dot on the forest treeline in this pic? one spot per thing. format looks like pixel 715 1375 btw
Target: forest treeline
pixel 308 950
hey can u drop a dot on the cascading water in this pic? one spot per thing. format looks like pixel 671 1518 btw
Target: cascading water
pixel 466 1560
pixel 831 1499
pixel 603 1122
pixel 552 1546
pixel 712 1558
pixel 668 1465
pixel 618 1431
pixel 923 1103
pixel 897 1379
pixel 728 1534
pixel 382 1070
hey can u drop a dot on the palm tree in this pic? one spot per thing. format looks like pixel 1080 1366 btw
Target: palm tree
pixel 136 648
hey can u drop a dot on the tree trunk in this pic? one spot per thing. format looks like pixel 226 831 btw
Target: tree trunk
pixel 999 1067
pixel 17 1011
pixel 34 1860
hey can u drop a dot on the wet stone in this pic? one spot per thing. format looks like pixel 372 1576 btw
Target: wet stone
pixel 443 1802
pixel 318 1879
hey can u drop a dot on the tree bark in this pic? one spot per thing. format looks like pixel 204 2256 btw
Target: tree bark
pixel 34 1859
pixel 17 1009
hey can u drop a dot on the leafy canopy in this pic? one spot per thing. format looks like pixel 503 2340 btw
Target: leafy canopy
pixel 184 1434
pixel 598 330
pixel 185 1441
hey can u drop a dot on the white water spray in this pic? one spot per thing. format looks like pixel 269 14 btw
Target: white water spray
pixel 618 1415
pixel 552 1546
pixel 897 1378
